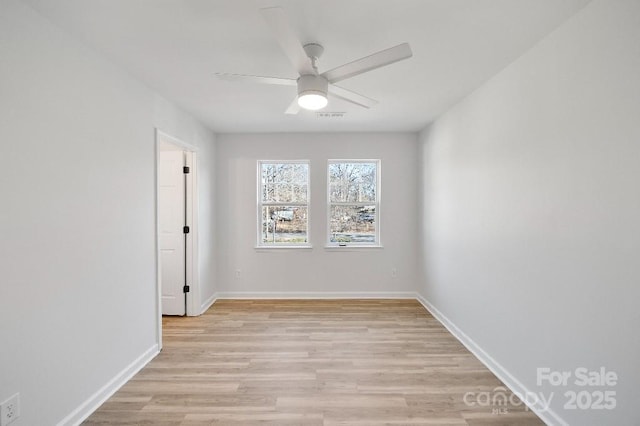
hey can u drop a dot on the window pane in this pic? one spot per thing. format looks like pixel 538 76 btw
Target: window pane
pixel 284 224
pixel 353 224
pixel 283 193
pixel 268 191
pixel 352 182
pixel 284 182
pixel 299 193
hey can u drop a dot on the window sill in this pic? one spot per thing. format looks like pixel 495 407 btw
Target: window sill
pixel 354 246
pixel 284 247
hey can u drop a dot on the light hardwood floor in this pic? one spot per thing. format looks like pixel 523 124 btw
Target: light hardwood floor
pixel 304 362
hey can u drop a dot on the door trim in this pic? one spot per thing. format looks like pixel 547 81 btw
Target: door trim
pixel 193 297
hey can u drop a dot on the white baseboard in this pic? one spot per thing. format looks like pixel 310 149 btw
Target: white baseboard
pixel 207 303
pixel 548 416
pixel 316 295
pixel 81 413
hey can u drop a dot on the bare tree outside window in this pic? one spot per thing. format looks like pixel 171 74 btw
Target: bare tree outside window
pixel 353 202
pixel 283 203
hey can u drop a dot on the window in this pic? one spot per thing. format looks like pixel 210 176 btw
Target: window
pixel 283 203
pixel 354 201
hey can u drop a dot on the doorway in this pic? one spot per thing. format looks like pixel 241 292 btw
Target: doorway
pixel 176 219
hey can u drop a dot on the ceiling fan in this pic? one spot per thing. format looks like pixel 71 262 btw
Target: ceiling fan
pixel 312 85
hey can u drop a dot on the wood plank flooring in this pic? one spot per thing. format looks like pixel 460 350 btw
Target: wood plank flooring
pixel 309 362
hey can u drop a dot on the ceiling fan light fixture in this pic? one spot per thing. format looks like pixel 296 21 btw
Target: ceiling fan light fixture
pixel 312 92
pixel 312 101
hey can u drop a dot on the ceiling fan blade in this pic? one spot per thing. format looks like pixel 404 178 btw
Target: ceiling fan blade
pixel 368 63
pixel 277 20
pixel 294 108
pixel 257 79
pixel 352 97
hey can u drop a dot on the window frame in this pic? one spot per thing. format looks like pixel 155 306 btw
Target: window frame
pixel 260 204
pixel 342 245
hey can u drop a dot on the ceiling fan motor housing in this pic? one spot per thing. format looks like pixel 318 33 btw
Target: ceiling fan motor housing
pixel 311 84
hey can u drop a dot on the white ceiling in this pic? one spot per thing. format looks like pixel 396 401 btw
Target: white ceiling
pixel 175 47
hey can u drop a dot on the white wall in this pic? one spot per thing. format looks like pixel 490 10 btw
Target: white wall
pixel 319 271
pixel 77 219
pixel 530 210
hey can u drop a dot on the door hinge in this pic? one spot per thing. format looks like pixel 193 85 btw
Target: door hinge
pixel 185 229
pixel 185 169
pixel 185 289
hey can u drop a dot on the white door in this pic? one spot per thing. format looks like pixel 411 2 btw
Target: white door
pixel 171 217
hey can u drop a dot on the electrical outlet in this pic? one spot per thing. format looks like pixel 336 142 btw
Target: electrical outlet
pixel 394 272
pixel 10 410
pixel 238 273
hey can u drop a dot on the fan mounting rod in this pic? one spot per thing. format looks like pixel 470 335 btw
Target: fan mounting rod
pixel 313 51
